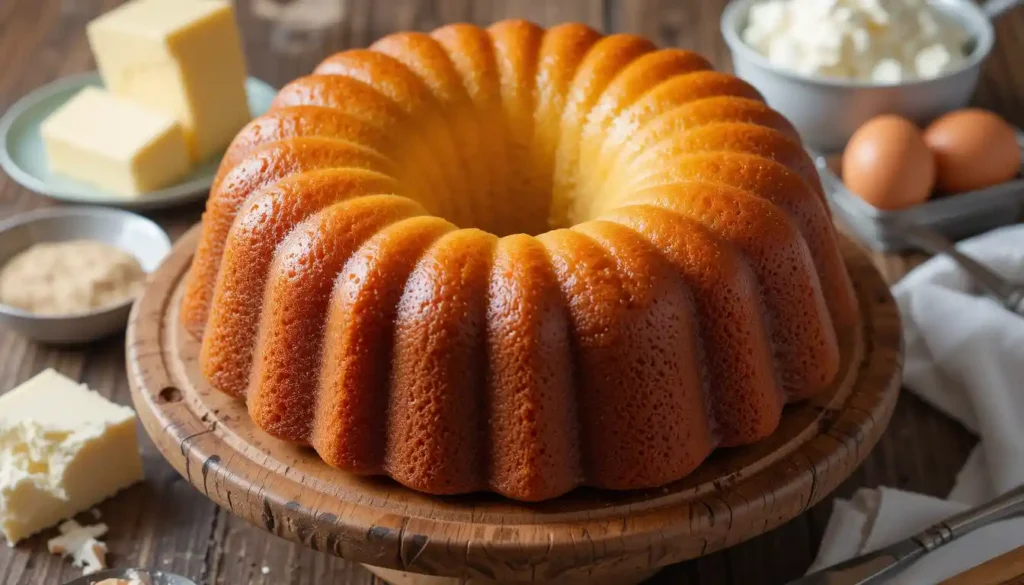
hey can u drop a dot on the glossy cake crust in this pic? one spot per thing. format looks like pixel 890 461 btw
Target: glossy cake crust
pixel 518 260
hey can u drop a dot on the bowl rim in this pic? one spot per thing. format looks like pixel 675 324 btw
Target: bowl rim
pixel 736 9
pixel 46 213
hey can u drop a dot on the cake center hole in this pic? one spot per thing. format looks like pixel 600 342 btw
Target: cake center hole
pixel 508 188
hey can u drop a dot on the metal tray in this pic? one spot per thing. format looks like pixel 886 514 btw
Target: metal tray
pixel 955 216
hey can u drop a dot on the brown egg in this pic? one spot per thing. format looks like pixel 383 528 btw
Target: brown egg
pixel 887 163
pixel 973 149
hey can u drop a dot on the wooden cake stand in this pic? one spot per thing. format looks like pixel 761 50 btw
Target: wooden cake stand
pixel 588 536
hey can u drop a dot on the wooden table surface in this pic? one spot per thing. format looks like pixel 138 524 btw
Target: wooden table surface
pixel 164 523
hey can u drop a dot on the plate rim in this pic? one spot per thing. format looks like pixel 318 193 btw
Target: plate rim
pixel 178 194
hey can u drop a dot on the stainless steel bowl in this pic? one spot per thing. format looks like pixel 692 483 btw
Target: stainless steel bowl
pixel 828 111
pixel 132 233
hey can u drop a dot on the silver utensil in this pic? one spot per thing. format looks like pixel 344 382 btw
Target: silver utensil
pixel 877 566
pixel 1008 294
pixel 827 111
pixel 132 233
pixel 155 577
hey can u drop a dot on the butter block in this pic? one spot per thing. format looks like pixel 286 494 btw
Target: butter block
pixel 63 449
pixel 114 144
pixel 182 57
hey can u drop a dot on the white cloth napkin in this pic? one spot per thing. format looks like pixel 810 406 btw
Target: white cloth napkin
pixel 965 357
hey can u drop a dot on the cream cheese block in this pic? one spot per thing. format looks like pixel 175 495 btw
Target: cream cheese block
pixel 183 58
pixel 63 449
pixel 114 144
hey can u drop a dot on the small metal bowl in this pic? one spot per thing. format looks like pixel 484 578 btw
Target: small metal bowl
pixel 827 111
pixel 135 234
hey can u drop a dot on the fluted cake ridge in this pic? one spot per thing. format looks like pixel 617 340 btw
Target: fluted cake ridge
pixel 518 260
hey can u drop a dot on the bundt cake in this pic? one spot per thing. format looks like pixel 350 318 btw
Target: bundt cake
pixel 518 260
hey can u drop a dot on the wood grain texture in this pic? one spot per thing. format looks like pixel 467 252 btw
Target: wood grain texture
pixel 587 534
pixel 167 524
pixel 1006 569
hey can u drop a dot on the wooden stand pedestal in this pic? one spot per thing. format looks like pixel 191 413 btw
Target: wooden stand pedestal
pixel 588 536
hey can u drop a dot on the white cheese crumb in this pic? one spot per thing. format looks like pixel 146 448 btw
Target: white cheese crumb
pixel 82 545
pixel 137 578
pixel 887 71
pixel 933 60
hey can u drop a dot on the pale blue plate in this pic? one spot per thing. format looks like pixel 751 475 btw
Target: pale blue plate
pixel 22 156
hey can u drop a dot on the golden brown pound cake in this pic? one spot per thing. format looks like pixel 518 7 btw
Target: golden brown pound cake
pixel 518 260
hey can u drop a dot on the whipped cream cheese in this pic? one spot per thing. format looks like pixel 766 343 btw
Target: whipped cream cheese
pixel 879 41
